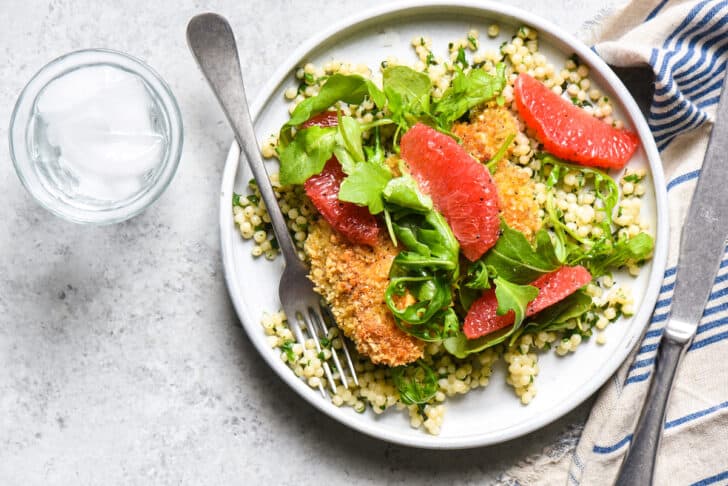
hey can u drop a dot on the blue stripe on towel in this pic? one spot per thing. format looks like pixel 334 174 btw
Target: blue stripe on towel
pixel 656 10
pixel 654 333
pixel 614 447
pixel 695 415
pixel 711 479
pixel 695 35
pixel 668 425
pixel 710 340
pixel 637 378
pixel 688 176
pixel 641 363
pixel 688 67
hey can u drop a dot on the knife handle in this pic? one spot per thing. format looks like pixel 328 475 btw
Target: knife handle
pixel 639 464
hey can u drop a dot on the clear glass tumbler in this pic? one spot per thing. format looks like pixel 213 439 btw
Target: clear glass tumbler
pixel 96 136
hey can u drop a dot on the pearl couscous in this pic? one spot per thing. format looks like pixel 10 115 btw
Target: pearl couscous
pixel 568 203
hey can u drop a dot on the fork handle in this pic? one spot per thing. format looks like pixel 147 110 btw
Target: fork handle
pixel 212 43
pixel 639 464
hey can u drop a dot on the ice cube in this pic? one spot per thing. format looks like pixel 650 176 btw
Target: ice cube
pixel 104 124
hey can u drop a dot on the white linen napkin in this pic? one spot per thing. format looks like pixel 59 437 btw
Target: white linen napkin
pixel 686 43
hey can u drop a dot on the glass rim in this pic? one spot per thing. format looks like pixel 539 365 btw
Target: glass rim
pixel 78 60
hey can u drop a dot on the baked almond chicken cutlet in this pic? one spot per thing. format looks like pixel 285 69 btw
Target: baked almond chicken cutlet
pixel 454 211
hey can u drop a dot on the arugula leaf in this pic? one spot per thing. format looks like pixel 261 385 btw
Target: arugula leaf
pixel 571 307
pixel 476 279
pixel 364 185
pixel 513 297
pixel 479 274
pixel 306 154
pixel 556 316
pixel 431 292
pixel 466 92
pixel 344 156
pixel 603 253
pixel 408 95
pixel 402 191
pixel 350 132
pixel 406 90
pixel 429 236
pixel 417 383
pixel 236 199
pixel 442 325
pixel 351 89
pixel 460 346
pixel 515 260
pixel 629 250
pixel 375 153
pixel 425 272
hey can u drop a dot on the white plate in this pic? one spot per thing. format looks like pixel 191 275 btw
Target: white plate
pixel 483 416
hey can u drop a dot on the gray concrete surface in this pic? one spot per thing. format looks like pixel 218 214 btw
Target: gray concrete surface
pixel 121 359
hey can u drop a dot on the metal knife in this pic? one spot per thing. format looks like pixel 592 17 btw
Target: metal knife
pixel 702 244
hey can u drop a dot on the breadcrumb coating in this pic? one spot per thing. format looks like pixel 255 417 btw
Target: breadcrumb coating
pixel 353 279
pixel 486 132
pixel 517 194
pixel 483 136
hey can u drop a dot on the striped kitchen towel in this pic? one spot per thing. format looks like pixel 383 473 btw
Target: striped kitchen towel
pixel 686 44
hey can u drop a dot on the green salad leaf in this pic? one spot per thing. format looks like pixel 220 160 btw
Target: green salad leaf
pixel 601 254
pixel 429 235
pixel 351 89
pixel 350 132
pixel 551 318
pixel 365 184
pixel 515 260
pixel 479 274
pixel 460 346
pixel 466 92
pixel 306 154
pixel 406 90
pixel 630 250
pixel 424 272
pixel 432 294
pixel 403 192
pixel 408 94
pixel 513 297
pixel 557 316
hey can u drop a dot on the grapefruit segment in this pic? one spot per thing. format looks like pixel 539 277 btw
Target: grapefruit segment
pixel 461 188
pixel 482 318
pixel 356 223
pixel 568 131
pixel 323 119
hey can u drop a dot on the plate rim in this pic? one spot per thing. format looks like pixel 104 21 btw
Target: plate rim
pixel 640 320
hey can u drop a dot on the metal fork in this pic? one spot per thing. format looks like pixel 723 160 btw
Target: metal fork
pixel 212 43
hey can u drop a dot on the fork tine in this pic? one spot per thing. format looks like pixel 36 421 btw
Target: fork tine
pixel 294 325
pixel 322 323
pixel 346 350
pixel 314 320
